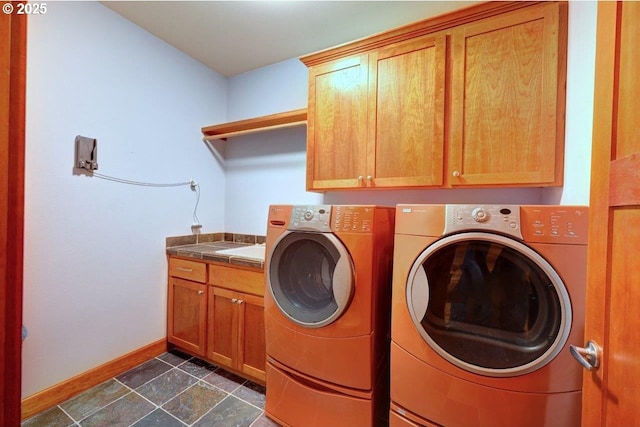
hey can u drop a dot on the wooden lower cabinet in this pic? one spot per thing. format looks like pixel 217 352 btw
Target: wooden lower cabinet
pixel 236 332
pixel 187 305
pixel 187 316
pixel 216 312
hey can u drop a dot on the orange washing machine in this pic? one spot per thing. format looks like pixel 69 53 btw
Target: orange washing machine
pixel 327 315
pixel 486 301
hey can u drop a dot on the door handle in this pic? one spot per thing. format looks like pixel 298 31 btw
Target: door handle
pixel 587 356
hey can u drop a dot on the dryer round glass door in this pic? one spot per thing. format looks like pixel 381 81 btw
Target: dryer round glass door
pixel 489 304
pixel 310 277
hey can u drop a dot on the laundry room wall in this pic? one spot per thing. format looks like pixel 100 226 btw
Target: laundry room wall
pixel 270 167
pixel 95 265
pixel 267 167
pixel 581 59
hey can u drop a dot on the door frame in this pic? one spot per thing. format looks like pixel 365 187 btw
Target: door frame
pixel 13 42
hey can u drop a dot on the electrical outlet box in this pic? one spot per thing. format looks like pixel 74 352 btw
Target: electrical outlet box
pixel 86 153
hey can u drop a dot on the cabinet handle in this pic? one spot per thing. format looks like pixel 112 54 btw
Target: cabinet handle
pixel 234 300
pixel 240 301
pixel 200 292
pixel 188 270
pixel 456 173
pixel 360 178
pixel 369 177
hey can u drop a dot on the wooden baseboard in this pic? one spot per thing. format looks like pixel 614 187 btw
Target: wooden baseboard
pixel 58 393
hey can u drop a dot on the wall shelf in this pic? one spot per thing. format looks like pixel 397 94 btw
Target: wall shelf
pixel 258 124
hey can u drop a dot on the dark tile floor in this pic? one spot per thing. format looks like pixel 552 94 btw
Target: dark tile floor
pixel 171 390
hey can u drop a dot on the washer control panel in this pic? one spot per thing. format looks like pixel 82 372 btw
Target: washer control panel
pixel 311 218
pixel 501 218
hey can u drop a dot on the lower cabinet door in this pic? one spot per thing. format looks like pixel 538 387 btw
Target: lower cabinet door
pixel 187 319
pixel 253 349
pixel 223 326
pixel 236 332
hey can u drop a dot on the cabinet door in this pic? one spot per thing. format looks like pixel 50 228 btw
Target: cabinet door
pixel 407 91
pixel 337 124
pixel 222 338
pixel 252 344
pixel 508 87
pixel 187 317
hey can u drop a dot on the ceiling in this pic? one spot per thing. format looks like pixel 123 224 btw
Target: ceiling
pixel 232 37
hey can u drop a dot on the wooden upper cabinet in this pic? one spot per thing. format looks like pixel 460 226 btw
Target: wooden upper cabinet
pixel 474 98
pixel 406 113
pixel 337 124
pixel 508 97
pixel 377 120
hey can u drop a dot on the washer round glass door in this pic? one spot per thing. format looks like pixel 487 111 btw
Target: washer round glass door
pixel 310 276
pixel 489 304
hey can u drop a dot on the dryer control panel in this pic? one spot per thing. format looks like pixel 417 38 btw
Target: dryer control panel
pixel 500 218
pixel 555 224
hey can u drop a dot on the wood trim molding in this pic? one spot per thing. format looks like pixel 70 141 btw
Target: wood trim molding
pixel 58 393
pixel 428 26
pixel 13 47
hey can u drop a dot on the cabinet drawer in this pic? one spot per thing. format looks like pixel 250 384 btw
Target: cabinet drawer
pixel 190 270
pixel 237 279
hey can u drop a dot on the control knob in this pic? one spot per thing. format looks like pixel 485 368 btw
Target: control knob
pixel 480 215
pixel 308 215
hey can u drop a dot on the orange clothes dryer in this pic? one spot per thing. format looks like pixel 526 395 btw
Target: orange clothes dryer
pixel 327 315
pixel 486 301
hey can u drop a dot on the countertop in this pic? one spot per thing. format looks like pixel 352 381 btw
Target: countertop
pixel 209 250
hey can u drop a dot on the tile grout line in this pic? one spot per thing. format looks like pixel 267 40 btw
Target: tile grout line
pixel 155 407
pixel 234 390
pixel 105 406
pixel 191 386
pixel 177 367
pixel 202 380
pixel 97 409
pixel 263 413
pixel 68 415
pixel 210 409
pixel 245 381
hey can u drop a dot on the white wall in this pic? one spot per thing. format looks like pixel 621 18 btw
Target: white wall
pixel 95 266
pixel 581 59
pixel 269 90
pixel 270 167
